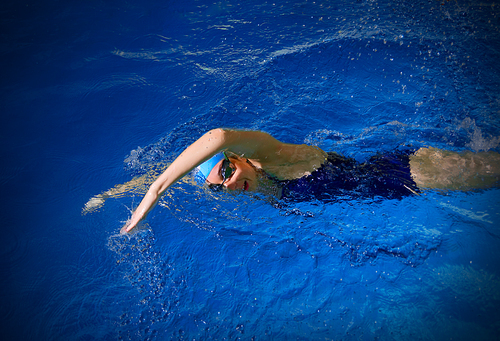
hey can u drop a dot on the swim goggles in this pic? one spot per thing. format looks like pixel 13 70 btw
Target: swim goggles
pixel 226 172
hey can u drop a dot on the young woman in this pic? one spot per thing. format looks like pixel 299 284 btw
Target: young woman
pixel 255 161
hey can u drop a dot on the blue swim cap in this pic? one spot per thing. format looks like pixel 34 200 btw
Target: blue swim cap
pixel 206 167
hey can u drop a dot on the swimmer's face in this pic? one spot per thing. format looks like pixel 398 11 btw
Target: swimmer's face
pixel 242 177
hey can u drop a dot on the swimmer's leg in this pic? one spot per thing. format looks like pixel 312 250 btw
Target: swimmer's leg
pixel 442 169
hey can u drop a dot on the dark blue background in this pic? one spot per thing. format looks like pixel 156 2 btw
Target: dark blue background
pixel 83 84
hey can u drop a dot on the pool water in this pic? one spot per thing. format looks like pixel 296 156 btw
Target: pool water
pixel 96 93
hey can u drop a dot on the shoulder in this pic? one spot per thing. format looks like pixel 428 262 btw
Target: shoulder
pixel 291 161
pixel 282 160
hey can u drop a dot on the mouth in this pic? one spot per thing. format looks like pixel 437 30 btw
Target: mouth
pixel 245 186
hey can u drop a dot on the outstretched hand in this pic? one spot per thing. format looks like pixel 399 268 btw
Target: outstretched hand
pixel 128 226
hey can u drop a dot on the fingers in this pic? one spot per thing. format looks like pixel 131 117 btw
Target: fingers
pixel 124 230
pixel 127 228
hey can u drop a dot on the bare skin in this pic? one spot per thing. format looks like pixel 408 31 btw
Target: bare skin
pixel 442 169
pixel 280 159
pixel 430 168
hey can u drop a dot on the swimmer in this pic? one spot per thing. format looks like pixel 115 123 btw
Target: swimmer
pixel 255 161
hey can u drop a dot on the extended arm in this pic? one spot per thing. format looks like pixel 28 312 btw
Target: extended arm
pixel 252 144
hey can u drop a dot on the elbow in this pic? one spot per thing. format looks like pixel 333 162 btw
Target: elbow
pixel 218 138
pixel 218 133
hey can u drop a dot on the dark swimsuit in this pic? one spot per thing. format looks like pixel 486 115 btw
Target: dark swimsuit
pixel 383 175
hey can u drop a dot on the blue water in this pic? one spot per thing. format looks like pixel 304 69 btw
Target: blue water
pixel 95 93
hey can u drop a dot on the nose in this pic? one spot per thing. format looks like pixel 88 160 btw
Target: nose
pixel 229 185
pixel 232 183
